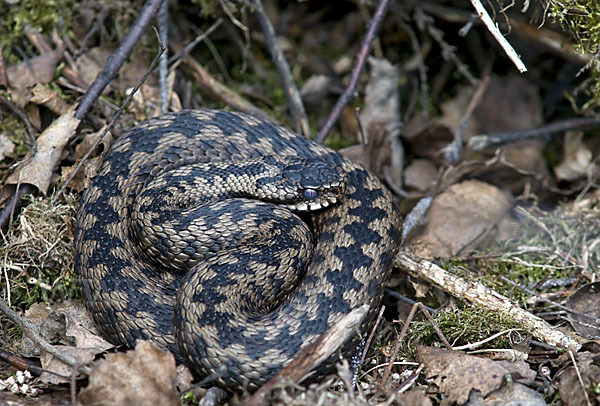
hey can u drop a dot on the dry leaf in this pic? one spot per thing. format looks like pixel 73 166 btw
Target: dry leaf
pixel 457 374
pixel 38 169
pixel 315 89
pixel 144 377
pixel 86 173
pixel 414 397
pixel 69 324
pixel 586 300
pixel 48 98
pixel 421 175
pixel 461 219
pixel 56 371
pixel 510 103
pixel 510 394
pixel 376 153
pixel 35 70
pixel 569 384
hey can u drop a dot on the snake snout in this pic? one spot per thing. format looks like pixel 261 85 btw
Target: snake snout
pixel 315 184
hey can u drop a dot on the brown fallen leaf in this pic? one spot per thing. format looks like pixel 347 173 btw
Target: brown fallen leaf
pixel 83 177
pixel 48 98
pixel 420 174
pixel 382 105
pixel 144 377
pixel 414 397
pixel 461 219
pixel 39 69
pixel 69 325
pixel 38 169
pixel 509 394
pixel 586 302
pixel 570 387
pixel 457 374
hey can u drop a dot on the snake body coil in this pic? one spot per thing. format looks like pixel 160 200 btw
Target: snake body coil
pixel 149 272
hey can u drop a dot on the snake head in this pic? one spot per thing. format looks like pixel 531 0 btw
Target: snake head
pixel 312 184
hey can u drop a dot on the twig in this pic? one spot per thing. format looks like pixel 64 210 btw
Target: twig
pixel 407 322
pixel 18 362
pixel 483 297
pixel 453 149
pixel 117 58
pixel 425 21
pixel 30 331
pixel 483 141
pixel 112 122
pixel 31 132
pixel 489 24
pixel 221 91
pixel 188 48
pixel 289 86
pixel 163 28
pixel 314 354
pixel 95 28
pixel 578 373
pixel 368 343
pixel 349 92
pixel 15 203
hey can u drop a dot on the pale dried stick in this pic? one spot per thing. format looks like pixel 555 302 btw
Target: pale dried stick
pixel 493 29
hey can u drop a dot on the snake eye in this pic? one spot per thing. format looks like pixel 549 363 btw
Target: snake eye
pixel 310 194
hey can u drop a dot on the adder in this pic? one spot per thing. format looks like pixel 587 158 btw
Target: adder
pixel 172 246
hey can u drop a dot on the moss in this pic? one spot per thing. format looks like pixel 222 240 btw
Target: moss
pixel 582 19
pixel 462 326
pixel 43 16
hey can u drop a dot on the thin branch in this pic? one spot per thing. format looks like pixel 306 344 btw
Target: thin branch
pixel 95 28
pixel 117 58
pixel 483 297
pixel 349 93
pixel 15 203
pixel 489 24
pixel 483 141
pixel 453 149
pixel 30 331
pixel 289 86
pixel 188 48
pixel 112 122
pixel 31 132
pixel 207 81
pixel 163 28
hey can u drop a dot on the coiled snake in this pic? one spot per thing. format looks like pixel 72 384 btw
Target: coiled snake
pixel 147 271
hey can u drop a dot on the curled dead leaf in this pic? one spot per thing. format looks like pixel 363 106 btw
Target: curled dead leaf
pixel 39 168
pixel 144 376
pixel 460 219
pixel 457 374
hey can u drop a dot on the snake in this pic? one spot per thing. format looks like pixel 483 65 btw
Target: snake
pixel 231 242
